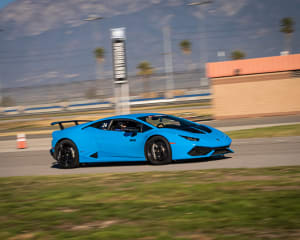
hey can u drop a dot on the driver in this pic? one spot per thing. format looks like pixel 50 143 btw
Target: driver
pixel 122 126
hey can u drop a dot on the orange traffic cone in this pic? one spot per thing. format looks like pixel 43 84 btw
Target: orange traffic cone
pixel 21 141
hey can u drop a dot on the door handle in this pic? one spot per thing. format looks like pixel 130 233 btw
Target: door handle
pixel 132 140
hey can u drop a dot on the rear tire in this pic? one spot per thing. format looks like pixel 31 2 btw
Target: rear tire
pixel 158 151
pixel 66 154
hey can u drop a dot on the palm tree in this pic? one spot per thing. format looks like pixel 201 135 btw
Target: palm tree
pixel 99 54
pixel 145 70
pixel 237 54
pixel 7 101
pixel 287 27
pixel 186 49
pixel 91 93
pixel 186 46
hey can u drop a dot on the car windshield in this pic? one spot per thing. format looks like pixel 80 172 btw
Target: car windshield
pixel 167 121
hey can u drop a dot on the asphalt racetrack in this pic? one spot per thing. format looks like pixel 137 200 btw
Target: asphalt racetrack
pixel 249 153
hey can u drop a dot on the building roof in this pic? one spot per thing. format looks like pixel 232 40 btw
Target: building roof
pixel 253 66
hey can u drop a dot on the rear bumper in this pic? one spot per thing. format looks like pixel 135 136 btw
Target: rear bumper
pixel 52 152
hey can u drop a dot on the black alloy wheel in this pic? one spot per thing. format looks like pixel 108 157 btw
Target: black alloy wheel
pixel 67 154
pixel 158 151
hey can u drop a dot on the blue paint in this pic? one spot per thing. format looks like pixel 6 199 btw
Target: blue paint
pixel 193 95
pixel 88 104
pixel 41 108
pixel 117 146
pixel 146 99
pixel 10 110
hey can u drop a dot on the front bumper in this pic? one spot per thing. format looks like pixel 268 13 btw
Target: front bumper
pixel 208 151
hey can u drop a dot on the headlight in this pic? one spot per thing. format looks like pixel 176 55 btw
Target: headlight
pixel 190 138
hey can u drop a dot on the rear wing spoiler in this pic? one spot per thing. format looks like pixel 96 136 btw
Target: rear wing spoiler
pixel 60 123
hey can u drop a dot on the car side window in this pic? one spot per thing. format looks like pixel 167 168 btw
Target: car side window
pixel 123 124
pixel 102 125
pixel 145 128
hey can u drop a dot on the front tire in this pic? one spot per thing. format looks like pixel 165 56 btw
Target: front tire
pixel 158 151
pixel 67 154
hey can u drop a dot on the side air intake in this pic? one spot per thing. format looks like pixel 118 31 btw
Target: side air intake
pixel 94 155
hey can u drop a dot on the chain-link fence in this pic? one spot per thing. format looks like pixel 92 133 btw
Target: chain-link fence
pixel 140 87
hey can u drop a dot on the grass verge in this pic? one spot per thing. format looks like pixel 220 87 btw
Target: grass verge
pixel 219 204
pixel 276 131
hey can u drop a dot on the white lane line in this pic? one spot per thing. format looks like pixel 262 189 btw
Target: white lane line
pixel 32 149
pixel 233 128
pixel 32 145
pixel 293 139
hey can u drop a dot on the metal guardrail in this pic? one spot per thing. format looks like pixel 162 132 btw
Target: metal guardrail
pixel 86 105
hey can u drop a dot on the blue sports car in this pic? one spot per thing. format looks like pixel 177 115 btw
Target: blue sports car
pixel 152 137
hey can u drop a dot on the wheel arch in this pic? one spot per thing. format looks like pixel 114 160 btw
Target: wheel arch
pixel 69 158
pixel 157 135
pixel 59 141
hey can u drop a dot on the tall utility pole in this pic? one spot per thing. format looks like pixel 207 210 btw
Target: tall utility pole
pixel 203 42
pixel 168 61
pixel 221 56
pixel 99 61
pixel 1 97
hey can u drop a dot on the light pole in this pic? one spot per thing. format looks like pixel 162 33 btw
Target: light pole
pixel 203 42
pixel 92 18
pixel 221 55
pixel 199 3
pixel 168 61
pixel 99 60
pixel 1 98
pixel 99 53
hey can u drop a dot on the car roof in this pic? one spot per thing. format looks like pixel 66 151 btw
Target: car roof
pixel 128 116
pixel 135 115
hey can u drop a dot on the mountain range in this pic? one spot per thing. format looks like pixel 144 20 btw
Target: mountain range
pixel 48 41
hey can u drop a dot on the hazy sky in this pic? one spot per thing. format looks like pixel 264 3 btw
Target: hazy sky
pixel 47 41
pixel 3 3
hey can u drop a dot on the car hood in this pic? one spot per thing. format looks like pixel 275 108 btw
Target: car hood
pixel 211 138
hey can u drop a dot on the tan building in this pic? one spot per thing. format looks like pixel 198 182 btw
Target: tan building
pixel 256 87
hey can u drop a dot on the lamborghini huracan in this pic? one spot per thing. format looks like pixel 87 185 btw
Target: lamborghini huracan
pixel 152 137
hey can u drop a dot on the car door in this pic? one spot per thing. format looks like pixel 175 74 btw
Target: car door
pixel 115 144
pixel 96 135
pixel 124 144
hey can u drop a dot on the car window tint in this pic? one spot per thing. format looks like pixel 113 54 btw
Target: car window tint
pixel 103 125
pixel 167 121
pixel 145 128
pixel 122 124
pixel 163 121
